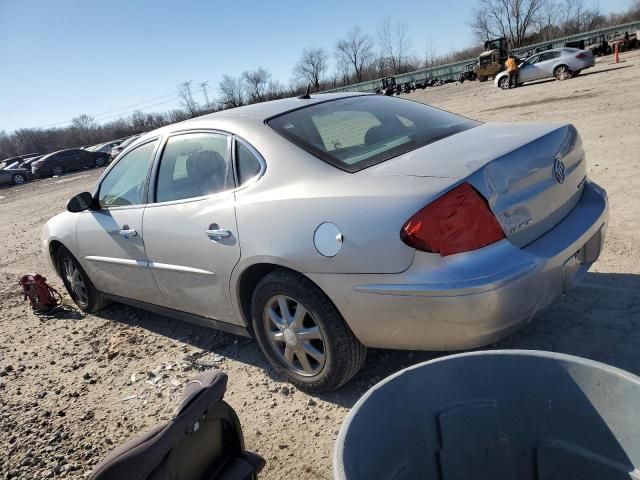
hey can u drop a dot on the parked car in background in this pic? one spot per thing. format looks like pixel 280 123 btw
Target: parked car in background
pixel 10 161
pixel 561 63
pixel 115 151
pixel 106 147
pixel 14 174
pixel 57 163
pixel 327 224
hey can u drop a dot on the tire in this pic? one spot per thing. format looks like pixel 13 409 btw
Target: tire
pixel 18 179
pixel 100 162
pixel 482 78
pixel 562 72
pixel 57 170
pixel 503 83
pixel 337 355
pixel 86 296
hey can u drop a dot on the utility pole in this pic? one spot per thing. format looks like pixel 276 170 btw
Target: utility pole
pixel 203 86
pixel 187 87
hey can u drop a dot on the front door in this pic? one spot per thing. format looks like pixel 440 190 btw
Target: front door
pixel 111 238
pixel 191 239
pixel 529 70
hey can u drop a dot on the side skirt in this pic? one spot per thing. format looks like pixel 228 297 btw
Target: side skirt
pixel 184 316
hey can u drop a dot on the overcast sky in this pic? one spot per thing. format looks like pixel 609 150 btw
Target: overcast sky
pixel 62 58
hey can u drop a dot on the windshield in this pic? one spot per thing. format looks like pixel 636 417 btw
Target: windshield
pixel 356 132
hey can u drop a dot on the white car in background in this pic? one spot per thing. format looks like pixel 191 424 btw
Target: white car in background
pixel 561 63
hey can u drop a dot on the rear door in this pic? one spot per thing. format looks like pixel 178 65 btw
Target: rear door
pixel 191 237
pixel 548 62
pixel 111 238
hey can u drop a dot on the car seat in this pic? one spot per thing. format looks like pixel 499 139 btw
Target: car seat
pixel 207 172
pixel 202 441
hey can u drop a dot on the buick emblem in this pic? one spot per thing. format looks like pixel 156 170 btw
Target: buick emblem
pixel 558 170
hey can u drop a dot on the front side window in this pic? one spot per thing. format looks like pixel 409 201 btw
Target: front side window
pixel 194 165
pixel 124 184
pixel 356 132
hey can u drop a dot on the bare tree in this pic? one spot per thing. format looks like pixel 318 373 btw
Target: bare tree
pixel 312 66
pixel 83 127
pixel 255 83
pixel 394 42
pixel 186 98
pixel 230 90
pixel 512 19
pixel 430 54
pixel 356 49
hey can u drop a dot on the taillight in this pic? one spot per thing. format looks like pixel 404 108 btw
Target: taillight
pixel 582 55
pixel 458 221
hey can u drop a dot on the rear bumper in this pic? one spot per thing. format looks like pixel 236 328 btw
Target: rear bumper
pixel 475 298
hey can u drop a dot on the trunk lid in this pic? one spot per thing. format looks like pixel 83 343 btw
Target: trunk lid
pixel 531 175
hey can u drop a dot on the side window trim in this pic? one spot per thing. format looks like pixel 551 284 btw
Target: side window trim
pixel 155 170
pixel 259 157
pixel 145 198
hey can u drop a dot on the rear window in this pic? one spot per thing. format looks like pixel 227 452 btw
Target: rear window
pixel 357 132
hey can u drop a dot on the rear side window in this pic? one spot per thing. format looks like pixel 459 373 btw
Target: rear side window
pixel 356 132
pixel 194 165
pixel 247 163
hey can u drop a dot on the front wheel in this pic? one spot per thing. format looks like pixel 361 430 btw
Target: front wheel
pixel 78 284
pixel 503 83
pixel 57 170
pixel 100 162
pixel 482 78
pixel 18 179
pixel 562 72
pixel 302 333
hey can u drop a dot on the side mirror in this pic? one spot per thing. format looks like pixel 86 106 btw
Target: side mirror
pixel 81 202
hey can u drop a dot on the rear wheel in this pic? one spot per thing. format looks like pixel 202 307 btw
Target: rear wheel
pixel 78 284
pixel 18 179
pixel 100 162
pixel 302 334
pixel 482 78
pixel 57 170
pixel 503 83
pixel 562 72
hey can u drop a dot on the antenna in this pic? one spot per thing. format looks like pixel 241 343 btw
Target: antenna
pixel 307 94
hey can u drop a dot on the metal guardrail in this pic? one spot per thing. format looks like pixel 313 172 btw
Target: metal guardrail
pixel 452 70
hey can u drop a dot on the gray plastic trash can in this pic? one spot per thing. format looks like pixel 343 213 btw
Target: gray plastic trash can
pixel 495 415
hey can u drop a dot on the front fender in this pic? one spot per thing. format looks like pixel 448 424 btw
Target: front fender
pixel 60 229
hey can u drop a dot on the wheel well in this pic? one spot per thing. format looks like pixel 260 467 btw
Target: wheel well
pixel 54 246
pixel 247 284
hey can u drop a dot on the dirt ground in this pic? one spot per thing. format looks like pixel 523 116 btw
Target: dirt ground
pixel 64 403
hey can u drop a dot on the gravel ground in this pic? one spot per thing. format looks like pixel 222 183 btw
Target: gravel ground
pixel 72 388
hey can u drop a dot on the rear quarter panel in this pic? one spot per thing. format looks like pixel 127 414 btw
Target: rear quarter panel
pixel 278 215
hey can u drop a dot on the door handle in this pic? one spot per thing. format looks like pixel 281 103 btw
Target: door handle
pixel 128 232
pixel 217 233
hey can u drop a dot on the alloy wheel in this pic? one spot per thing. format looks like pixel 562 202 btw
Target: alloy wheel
pixel 57 170
pixel 562 73
pixel 100 161
pixel 294 335
pixel 74 279
pixel 18 179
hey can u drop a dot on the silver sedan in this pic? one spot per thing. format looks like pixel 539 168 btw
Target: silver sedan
pixel 561 63
pixel 329 224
